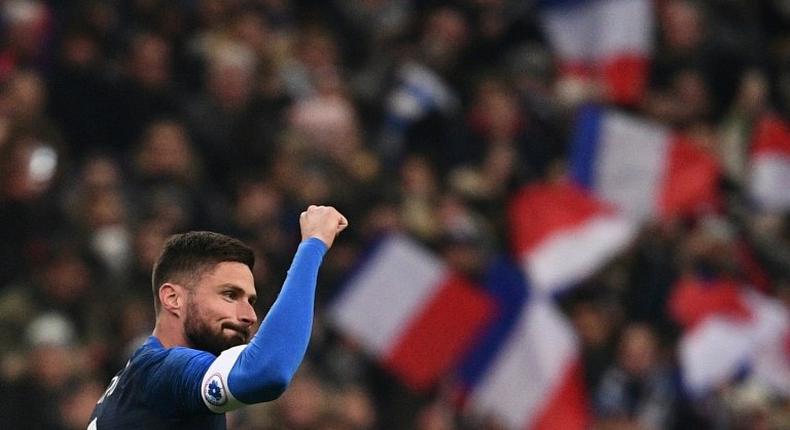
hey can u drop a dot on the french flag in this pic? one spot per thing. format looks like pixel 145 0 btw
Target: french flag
pixel 525 370
pixel 561 234
pixel 642 167
pixel 609 41
pixel 411 312
pixel 770 168
pixel 729 330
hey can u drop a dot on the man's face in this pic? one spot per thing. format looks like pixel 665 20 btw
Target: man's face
pixel 220 312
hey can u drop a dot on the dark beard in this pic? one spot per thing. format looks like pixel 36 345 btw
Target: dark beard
pixel 202 337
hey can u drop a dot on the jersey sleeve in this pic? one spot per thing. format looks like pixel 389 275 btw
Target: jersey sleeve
pixel 261 370
pixel 173 381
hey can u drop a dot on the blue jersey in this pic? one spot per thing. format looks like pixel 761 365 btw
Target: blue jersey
pixel 158 389
pixel 184 388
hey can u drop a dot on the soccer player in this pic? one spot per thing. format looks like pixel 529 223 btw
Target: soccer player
pixel 200 361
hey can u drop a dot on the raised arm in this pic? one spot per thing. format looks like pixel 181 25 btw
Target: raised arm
pixel 261 370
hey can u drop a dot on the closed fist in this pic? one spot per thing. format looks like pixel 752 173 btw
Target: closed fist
pixel 322 222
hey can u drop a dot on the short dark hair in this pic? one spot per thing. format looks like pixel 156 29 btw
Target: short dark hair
pixel 187 256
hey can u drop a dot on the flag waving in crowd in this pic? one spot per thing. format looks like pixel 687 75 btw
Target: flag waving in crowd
pixel 407 309
pixel 770 176
pixel 525 369
pixel 594 51
pixel 642 167
pixel 730 329
pixel 561 234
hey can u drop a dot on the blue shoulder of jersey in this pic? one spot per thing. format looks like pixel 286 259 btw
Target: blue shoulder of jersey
pixel 171 377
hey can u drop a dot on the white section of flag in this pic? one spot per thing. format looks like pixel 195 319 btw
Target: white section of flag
pixel 597 30
pixel 528 369
pixel 626 26
pixel 770 181
pixel 713 352
pixel 380 301
pixel 570 255
pixel 631 163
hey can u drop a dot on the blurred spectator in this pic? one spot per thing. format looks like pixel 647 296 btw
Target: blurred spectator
pixel 31 399
pixel 66 283
pixel 368 25
pixel 143 90
pixel 638 390
pixel 751 102
pixel 25 98
pixel 75 406
pixel 424 102
pixel 27 28
pixel 420 194
pixel 168 179
pixel 649 287
pixel 327 119
pixel 315 56
pixel 30 165
pixel 80 93
pixel 595 327
pixel 505 144
pixel 465 241
pixel 436 417
pixel 233 126
pixel 350 408
pixel 258 206
pixel 302 406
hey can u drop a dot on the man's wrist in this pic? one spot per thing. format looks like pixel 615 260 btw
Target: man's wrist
pixel 317 242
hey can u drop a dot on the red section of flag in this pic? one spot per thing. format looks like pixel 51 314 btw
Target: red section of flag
pixel 691 180
pixel 693 300
pixel 540 211
pixel 441 332
pixel 567 408
pixel 787 347
pixel 625 78
pixel 771 135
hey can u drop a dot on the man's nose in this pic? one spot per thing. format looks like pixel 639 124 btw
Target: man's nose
pixel 247 314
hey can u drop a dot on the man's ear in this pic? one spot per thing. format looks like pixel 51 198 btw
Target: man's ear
pixel 173 298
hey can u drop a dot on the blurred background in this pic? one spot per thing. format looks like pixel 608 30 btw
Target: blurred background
pixel 564 214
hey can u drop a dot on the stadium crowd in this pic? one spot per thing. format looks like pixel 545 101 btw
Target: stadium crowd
pixel 122 122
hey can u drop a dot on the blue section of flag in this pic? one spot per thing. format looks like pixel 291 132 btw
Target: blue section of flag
pixel 506 285
pixel 584 147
